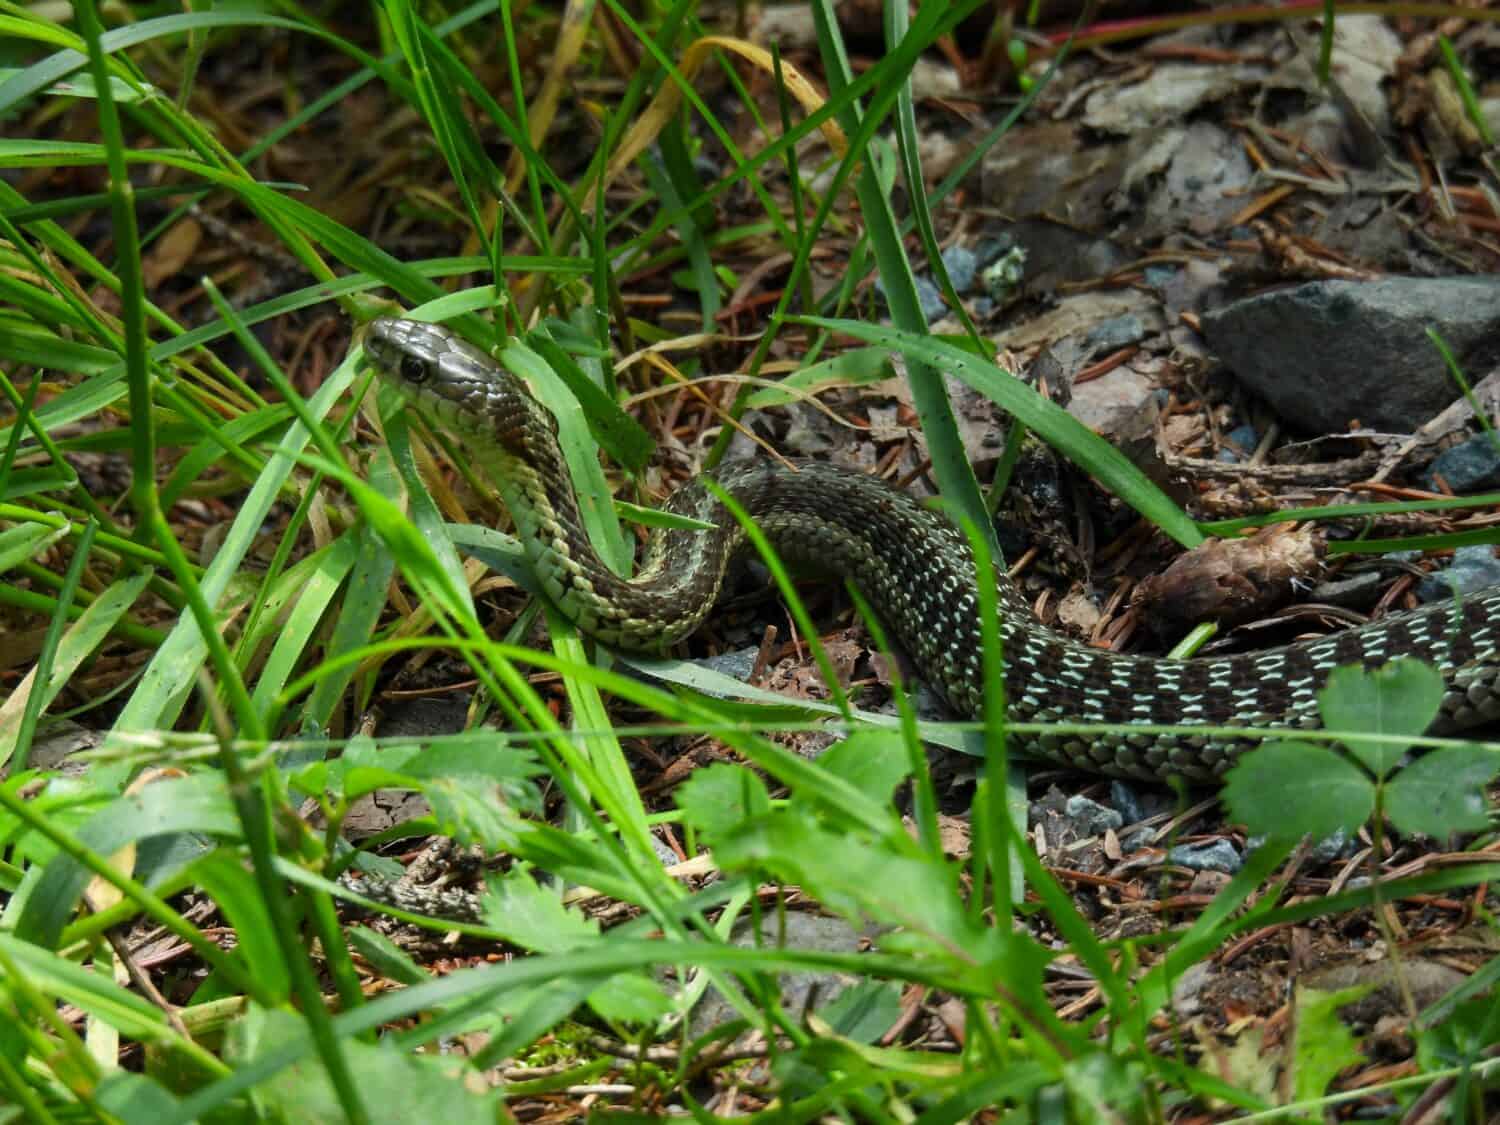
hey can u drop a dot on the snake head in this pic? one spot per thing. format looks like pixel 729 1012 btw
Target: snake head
pixel 462 386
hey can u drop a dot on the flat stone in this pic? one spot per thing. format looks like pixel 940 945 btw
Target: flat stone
pixel 1328 352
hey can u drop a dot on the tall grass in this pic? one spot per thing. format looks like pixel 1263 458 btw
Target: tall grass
pixel 253 663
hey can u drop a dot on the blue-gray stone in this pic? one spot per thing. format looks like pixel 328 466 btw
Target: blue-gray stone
pixel 1473 568
pixel 961 264
pixel 1116 332
pixel 1124 797
pixel 1090 817
pixel 1217 856
pixel 1159 277
pixel 1330 847
pixel 931 299
pixel 1244 437
pixel 1472 466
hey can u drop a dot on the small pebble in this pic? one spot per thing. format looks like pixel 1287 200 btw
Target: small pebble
pixel 929 296
pixel 1245 437
pixel 1115 333
pixel 962 264
pixel 1124 798
pixel 1472 466
pixel 1473 568
pixel 1090 817
pixel 1134 839
pixel 1217 856
pixel 931 299
pixel 1329 848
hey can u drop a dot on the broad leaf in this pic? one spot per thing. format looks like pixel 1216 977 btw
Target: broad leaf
pixel 1399 698
pixel 1291 789
pixel 1443 792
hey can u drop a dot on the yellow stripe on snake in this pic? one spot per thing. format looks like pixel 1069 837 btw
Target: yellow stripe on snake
pixel 916 569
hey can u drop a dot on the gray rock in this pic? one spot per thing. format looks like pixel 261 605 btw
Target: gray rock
pixel 1331 351
pixel 1470 467
pixel 1217 856
pixel 1116 333
pixel 1124 797
pixel 1090 817
pixel 961 264
pixel 1244 438
pixel 1330 847
pixel 1114 403
pixel 931 298
pixel 1472 569
pixel 1353 591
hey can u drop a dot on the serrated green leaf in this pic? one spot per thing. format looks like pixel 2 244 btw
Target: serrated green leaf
pixel 1399 698
pixel 1291 789
pixel 475 755
pixel 874 761
pixel 471 813
pixel 1324 1045
pixel 1442 792
pixel 630 998
pixel 395 1085
pixel 857 876
pixel 717 799
pixel 534 917
pixel 865 1011
pixel 388 958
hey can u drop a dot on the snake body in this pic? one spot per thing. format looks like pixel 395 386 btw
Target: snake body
pixel 916 569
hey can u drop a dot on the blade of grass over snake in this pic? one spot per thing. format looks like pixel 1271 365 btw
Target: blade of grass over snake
pixel 1060 429
pixel 950 465
pixel 1374 508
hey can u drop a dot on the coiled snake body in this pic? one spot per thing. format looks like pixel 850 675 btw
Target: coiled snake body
pixel 916 569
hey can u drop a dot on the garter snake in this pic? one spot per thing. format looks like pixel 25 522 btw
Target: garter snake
pixel 916 569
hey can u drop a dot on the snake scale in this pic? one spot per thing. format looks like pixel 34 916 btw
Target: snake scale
pixel 916 569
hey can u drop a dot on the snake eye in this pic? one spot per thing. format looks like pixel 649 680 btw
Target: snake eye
pixel 413 369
